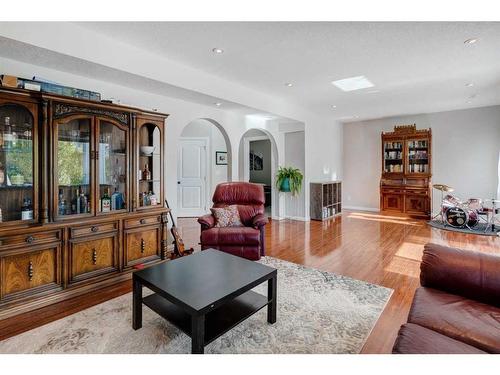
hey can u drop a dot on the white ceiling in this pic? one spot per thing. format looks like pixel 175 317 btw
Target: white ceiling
pixel 417 67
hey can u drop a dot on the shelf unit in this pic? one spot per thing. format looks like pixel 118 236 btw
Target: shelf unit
pixel 405 184
pixel 326 199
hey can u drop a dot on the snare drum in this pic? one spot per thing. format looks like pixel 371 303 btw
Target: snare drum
pixel 451 201
pixel 475 204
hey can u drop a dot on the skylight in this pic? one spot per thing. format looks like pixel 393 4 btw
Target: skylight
pixel 353 83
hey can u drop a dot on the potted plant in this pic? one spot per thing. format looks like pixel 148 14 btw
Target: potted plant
pixel 289 180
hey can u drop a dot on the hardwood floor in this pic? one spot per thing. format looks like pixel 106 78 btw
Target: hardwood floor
pixel 378 248
pixel 381 249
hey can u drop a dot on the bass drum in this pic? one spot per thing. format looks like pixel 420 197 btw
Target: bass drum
pixel 459 218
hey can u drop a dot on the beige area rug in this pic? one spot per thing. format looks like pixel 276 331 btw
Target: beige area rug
pixel 318 312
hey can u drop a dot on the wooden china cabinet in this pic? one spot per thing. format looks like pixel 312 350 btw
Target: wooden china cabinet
pixel 405 185
pixel 81 196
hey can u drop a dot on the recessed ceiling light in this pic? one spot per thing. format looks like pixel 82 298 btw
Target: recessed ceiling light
pixel 470 84
pixel 334 106
pixel 218 104
pixel 470 41
pixel 288 84
pixel 217 50
pixel 469 101
pixel 353 83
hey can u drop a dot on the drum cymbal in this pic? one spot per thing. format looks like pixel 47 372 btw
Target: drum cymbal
pixel 443 187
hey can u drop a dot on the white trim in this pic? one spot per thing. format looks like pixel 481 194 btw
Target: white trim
pixel 357 208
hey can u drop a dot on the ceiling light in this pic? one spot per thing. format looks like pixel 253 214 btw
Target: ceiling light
pixel 472 96
pixel 470 84
pixel 217 50
pixel 288 84
pixel 353 83
pixel 469 101
pixel 470 41
pixel 334 106
pixel 218 104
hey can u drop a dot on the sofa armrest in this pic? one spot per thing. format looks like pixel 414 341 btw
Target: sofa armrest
pixel 206 221
pixel 259 221
pixel 470 274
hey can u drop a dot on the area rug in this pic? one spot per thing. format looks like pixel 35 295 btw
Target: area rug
pixel 318 312
pixel 478 229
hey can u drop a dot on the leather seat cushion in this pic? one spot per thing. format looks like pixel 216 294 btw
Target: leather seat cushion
pixel 462 319
pixel 247 252
pixel 242 236
pixel 415 339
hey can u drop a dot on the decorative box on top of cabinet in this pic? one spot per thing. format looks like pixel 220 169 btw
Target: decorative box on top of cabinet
pixel 56 247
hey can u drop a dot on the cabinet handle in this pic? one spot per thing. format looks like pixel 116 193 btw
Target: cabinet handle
pixel 94 229
pixel 143 245
pixel 30 270
pixel 142 221
pixel 94 256
pixel 30 239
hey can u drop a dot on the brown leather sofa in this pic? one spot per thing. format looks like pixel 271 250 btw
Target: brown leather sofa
pixel 247 241
pixel 457 308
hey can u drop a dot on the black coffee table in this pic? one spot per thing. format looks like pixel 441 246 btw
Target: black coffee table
pixel 205 294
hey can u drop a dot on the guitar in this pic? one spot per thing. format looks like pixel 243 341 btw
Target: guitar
pixel 179 248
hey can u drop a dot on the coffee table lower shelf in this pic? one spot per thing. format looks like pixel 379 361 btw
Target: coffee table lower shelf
pixel 218 321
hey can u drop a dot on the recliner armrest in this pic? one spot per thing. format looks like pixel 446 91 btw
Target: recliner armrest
pixel 259 221
pixel 470 274
pixel 207 221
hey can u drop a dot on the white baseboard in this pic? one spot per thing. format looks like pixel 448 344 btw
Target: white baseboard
pixel 298 218
pixel 357 208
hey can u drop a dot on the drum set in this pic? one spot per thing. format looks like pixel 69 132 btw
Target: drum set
pixel 466 214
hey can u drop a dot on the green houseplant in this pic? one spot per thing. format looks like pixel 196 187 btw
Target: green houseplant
pixel 289 180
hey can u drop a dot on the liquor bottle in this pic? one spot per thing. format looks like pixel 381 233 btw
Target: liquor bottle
pixel 145 199
pixel 114 200
pixel 61 206
pixel 7 133
pixel 146 174
pixel 75 203
pixel 2 174
pixel 141 200
pixel 26 210
pixel 83 202
pixel 106 202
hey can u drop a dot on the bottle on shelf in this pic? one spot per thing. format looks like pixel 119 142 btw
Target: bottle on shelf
pixel 145 199
pixel 7 133
pixel 27 210
pixel 106 201
pixel 116 200
pixel 2 174
pixel 141 199
pixel 61 206
pixel 75 202
pixel 83 202
pixel 146 173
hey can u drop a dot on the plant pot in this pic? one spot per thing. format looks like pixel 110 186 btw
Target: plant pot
pixel 285 185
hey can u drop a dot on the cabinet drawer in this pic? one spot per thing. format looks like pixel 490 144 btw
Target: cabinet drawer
pixel 142 244
pixel 93 229
pixel 142 221
pixel 392 191
pixel 92 258
pixel 27 239
pixel 30 272
pixel 416 192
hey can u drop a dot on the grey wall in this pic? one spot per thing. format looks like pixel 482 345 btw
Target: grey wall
pixel 295 157
pixel 465 154
pixel 262 147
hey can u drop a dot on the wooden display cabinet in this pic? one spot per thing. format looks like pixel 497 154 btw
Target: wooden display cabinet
pixel 70 177
pixel 405 184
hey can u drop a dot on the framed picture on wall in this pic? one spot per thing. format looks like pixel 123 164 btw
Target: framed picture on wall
pixel 220 158
pixel 256 161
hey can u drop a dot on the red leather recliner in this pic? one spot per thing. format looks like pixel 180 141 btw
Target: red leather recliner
pixel 246 241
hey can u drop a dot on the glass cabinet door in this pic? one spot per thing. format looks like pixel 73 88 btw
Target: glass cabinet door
pixel 16 164
pixel 418 156
pixel 111 167
pixel 74 171
pixel 149 174
pixel 393 156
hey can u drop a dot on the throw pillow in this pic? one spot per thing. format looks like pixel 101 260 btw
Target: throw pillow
pixel 227 216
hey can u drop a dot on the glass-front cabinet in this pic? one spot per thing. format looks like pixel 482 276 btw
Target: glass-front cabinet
pixel 91 155
pixel 149 188
pixel 112 167
pixel 18 164
pixel 418 156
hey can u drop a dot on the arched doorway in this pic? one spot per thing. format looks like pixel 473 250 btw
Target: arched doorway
pixel 204 158
pixel 258 162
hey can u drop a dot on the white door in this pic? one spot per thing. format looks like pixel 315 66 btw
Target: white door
pixel 192 177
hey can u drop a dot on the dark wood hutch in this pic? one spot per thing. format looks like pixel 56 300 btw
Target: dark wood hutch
pixel 78 211
pixel 405 185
